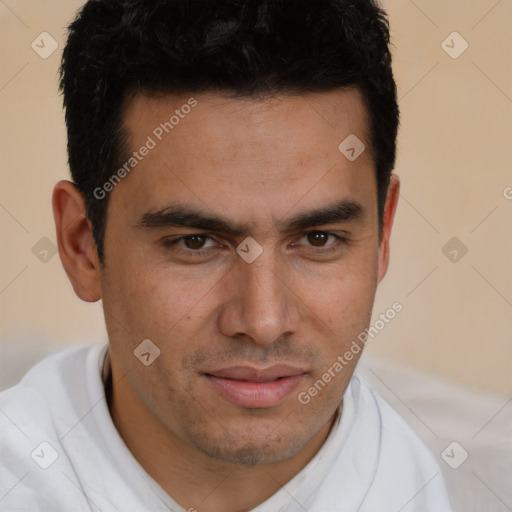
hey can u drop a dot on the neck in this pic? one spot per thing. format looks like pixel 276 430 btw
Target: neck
pixel 193 479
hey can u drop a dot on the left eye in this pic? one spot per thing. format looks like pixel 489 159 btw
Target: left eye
pixel 195 242
pixel 319 238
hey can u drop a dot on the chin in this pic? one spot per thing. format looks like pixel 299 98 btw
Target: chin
pixel 252 454
pixel 249 450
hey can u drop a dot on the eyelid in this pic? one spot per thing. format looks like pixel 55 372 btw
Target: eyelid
pixel 339 239
pixel 170 242
pixel 171 239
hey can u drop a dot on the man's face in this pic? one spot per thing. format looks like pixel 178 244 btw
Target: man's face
pixel 239 341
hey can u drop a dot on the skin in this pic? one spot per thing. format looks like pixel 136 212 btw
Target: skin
pixel 255 163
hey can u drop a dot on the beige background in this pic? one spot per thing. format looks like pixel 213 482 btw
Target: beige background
pixel 455 161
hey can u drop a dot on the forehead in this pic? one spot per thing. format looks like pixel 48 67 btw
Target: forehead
pixel 207 149
pixel 233 121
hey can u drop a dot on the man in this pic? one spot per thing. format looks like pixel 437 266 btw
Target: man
pixel 231 205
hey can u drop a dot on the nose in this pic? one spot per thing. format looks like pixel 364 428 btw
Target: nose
pixel 259 302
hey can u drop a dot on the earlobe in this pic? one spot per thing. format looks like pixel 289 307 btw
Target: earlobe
pixel 76 245
pixel 389 214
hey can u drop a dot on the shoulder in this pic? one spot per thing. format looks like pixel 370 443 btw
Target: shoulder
pixel 49 393
pixel 407 473
pixel 35 415
pixel 36 394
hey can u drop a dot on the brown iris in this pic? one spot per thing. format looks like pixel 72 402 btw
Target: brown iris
pixel 194 241
pixel 318 238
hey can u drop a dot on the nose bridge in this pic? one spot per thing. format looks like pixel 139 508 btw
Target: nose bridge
pixel 263 301
pixel 262 286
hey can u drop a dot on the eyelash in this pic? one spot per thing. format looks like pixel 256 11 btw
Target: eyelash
pixel 173 243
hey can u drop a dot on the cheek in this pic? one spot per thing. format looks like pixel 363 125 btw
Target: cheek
pixel 339 305
pixel 157 300
pixel 348 309
pixel 341 290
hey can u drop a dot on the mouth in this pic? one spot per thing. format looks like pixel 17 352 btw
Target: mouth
pixel 251 387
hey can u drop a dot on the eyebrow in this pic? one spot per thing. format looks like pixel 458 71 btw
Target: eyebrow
pixel 178 215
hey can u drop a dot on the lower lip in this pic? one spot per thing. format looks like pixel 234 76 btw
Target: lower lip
pixel 255 394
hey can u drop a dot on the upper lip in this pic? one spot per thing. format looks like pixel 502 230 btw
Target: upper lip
pixel 250 373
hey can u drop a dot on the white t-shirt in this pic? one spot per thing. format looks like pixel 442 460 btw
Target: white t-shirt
pixel 60 452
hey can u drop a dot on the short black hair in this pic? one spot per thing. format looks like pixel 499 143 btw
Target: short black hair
pixel 245 48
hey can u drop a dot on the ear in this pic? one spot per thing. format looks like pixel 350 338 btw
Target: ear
pixel 76 245
pixel 389 214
